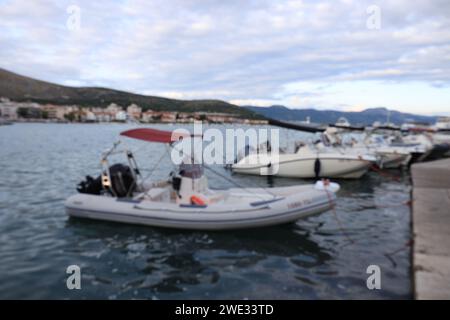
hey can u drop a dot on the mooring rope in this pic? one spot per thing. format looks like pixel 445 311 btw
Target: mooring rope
pixel 256 185
pixel 378 170
pixel 152 170
pixel 237 184
pixel 226 178
pixel 401 204
pixel 390 255
pixel 333 209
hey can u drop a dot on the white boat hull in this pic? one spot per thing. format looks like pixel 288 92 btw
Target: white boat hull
pixel 439 138
pixel 296 166
pixel 387 157
pixel 290 204
pixel 393 160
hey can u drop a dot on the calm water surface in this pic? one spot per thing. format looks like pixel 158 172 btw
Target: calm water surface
pixel 42 163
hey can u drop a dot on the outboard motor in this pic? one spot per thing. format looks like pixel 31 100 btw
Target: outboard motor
pixel 122 180
pixel 122 183
pixel 90 185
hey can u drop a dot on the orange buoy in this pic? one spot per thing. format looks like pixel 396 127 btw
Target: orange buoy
pixel 197 200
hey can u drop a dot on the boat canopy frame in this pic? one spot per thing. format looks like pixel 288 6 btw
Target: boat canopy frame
pixel 106 174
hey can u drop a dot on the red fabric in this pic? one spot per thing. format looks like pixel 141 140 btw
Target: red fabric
pixel 418 129
pixel 154 135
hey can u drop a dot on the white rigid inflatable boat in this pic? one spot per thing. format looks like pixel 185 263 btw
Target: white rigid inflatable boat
pixel 185 201
pixel 249 209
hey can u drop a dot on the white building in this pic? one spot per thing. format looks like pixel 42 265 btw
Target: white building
pixel 134 111
pixel 147 116
pixel 121 116
pixel 8 109
pixel 113 108
pixel 90 116
pixel 103 117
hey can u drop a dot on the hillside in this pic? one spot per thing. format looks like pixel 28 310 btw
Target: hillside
pixel 365 117
pixel 21 88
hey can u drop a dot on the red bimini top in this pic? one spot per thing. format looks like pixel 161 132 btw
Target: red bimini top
pixel 154 135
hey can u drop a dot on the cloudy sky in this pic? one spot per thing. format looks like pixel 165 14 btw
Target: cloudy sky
pixel 346 55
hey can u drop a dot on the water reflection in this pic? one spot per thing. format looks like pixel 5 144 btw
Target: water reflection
pixel 171 261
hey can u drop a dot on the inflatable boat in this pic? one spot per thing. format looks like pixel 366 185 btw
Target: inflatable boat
pixel 185 201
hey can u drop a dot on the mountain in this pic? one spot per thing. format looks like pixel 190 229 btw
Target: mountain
pixel 21 88
pixel 365 117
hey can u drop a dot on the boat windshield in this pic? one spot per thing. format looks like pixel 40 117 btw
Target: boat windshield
pixel 193 171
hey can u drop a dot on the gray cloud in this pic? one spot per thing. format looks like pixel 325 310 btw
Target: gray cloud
pixel 233 50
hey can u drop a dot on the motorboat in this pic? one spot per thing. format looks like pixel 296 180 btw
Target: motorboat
pixel 308 161
pixel 342 122
pixel 391 151
pixel 441 138
pixel 443 123
pixel 185 201
pixel 425 145
pixel 389 156
pixel 402 150
pixel 370 146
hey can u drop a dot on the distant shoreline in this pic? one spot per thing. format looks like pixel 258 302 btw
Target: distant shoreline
pixel 31 121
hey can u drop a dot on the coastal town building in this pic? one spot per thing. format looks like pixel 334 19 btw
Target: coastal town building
pixel 56 112
pixel 121 116
pixel 220 117
pixel 147 116
pixel 8 109
pixel 113 108
pixel 168 117
pixel 134 111
pixel 31 111
pixel 90 116
pixel 101 115
pixel 185 117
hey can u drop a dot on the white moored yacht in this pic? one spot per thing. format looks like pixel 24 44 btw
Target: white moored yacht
pixel 388 154
pixel 443 123
pixel 309 161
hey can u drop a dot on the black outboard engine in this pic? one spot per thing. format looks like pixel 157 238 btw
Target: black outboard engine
pixel 90 185
pixel 123 182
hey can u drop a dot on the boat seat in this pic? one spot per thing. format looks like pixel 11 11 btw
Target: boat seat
pixel 158 194
pixel 215 197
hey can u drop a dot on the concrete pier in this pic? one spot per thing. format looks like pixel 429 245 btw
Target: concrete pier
pixel 431 229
